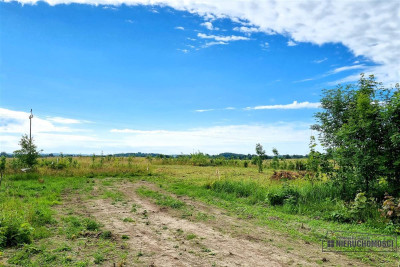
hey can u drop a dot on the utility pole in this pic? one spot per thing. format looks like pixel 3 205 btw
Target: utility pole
pixel 30 126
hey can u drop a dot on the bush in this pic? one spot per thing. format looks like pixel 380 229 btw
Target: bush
pixel 91 225
pixel 13 233
pixel 286 195
pixel 391 209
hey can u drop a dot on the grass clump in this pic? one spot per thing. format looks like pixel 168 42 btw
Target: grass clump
pixel 98 258
pixel 191 236
pixel 79 226
pixel 161 199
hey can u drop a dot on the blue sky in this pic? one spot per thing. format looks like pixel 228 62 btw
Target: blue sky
pixel 167 79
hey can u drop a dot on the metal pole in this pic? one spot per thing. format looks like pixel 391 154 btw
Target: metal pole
pixel 30 126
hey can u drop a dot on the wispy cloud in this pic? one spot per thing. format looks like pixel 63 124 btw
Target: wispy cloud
pixel 346 68
pixel 214 43
pixel 62 120
pixel 336 71
pixel 318 61
pixel 247 30
pixel 223 38
pixel 183 50
pixel 291 43
pixel 179 28
pixel 129 21
pixel 204 110
pixel 265 45
pixel 294 105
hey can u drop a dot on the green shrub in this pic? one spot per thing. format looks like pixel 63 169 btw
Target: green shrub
pixel 14 233
pixel 286 195
pixel 106 235
pixel 391 209
pixel 91 225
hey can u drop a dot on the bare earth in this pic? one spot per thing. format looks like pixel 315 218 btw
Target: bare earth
pixel 159 236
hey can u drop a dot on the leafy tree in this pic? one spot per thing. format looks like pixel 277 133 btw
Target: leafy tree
pixel 391 127
pixel 275 161
pixel 28 154
pixel 313 161
pixel 260 156
pixel 359 128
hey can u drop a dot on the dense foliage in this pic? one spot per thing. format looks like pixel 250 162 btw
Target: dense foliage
pixel 359 128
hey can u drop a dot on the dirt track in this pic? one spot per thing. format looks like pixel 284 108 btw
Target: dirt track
pixel 160 237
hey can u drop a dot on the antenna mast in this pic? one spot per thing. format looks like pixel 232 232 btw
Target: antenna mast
pixel 30 126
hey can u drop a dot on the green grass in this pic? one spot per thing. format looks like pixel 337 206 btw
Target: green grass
pixel 249 199
pixel 161 199
pixel 26 207
pixel 33 233
pixel 115 195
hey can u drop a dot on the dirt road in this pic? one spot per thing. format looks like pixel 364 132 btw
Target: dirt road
pixel 159 236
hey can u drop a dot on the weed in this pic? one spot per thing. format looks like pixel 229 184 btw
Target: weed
pixel 106 235
pixel 161 199
pixel 98 258
pixel 191 236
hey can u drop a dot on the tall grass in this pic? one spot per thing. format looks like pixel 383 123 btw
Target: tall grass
pixel 300 196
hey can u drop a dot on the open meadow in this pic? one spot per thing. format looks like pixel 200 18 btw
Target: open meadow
pixel 111 211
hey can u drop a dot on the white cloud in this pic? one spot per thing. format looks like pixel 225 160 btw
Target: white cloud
pixel 214 43
pixel 208 25
pixel 47 134
pixel 265 45
pixel 346 68
pixel 179 28
pixel 18 122
pixel 350 78
pixel 247 30
pixel 213 140
pixel 291 43
pixel 294 105
pixel 222 38
pixel 203 110
pixel 217 139
pixel 129 21
pixel 183 50
pixel 62 120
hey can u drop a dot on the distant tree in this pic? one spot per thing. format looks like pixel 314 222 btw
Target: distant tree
pixel 275 161
pixel 313 161
pixel 2 167
pixel 260 157
pixel 28 154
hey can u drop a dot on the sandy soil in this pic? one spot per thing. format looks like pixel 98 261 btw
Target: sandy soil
pixel 158 236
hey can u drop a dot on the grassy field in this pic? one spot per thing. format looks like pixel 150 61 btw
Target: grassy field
pixel 45 218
